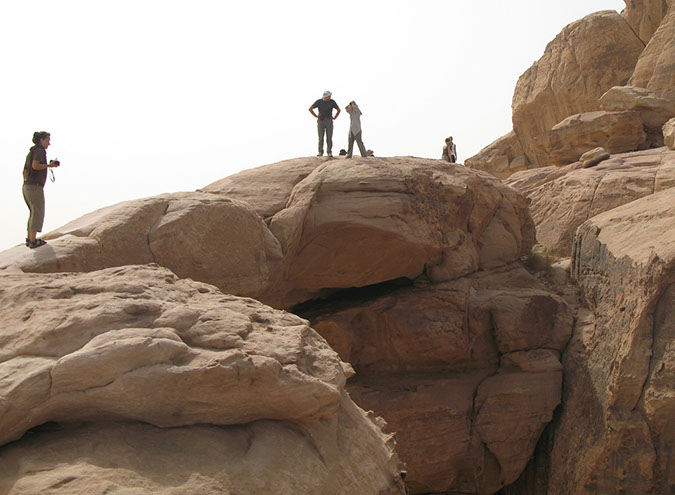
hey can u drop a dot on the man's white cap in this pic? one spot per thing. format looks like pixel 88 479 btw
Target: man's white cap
pixel 327 93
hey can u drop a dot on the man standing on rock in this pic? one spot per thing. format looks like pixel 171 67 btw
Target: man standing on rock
pixel 325 120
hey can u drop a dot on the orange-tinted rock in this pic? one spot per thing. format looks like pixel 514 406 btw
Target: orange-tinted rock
pixel 501 158
pixel 616 132
pixel 568 81
pixel 644 16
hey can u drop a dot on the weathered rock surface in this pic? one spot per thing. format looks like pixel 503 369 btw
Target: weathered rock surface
pixel 377 220
pixel 586 59
pixel 620 365
pixel 562 198
pixel 593 157
pixel 644 16
pixel 669 134
pixel 616 132
pixel 197 235
pixel 654 111
pixel 466 372
pixel 138 344
pixel 655 69
pixel 501 158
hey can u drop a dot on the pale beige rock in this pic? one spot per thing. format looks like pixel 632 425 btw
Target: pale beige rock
pixel 616 132
pixel 669 133
pixel 644 16
pixel 261 457
pixel 567 81
pixel 422 354
pixel 501 158
pixel 653 110
pixel 197 235
pixel 563 198
pixel 655 69
pixel 266 188
pixel 620 361
pixel 593 157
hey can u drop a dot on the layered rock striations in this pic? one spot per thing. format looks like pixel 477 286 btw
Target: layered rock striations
pixel 254 398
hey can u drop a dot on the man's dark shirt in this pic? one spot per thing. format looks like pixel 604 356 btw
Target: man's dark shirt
pixel 325 108
pixel 30 175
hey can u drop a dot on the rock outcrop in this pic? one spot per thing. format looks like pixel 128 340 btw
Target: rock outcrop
pixel 669 134
pixel 645 16
pixel 137 344
pixel 616 132
pixel 586 59
pixel 655 69
pixel 562 198
pixel 621 362
pixel 501 158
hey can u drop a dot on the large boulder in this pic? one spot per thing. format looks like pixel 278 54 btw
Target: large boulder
pixel 562 198
pixel 586 59
pixel 655 69
pixel 616 132
pixel 654 111
pixel 644 16
pixel 501 158
pixel 620 365
pixel 669 134
pixel 466 372
pixel 137 344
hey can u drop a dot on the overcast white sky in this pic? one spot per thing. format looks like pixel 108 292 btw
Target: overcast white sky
pixel 146 97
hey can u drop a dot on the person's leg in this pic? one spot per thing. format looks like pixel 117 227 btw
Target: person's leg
pixel 35 199
pixel 350 147
pixel 362 148
pixel 329 136
pixel 321 128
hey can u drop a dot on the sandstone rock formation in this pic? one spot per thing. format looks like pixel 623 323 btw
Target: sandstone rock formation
pixel 620 365
pixel 137 344
pixel 568 81
pixel 669 134
pixel 593 157
pixel 562 198
pixel 466 372
pixel 645 16
pixel 616 132
pixel 377 220
pixel 654 111
pixel 501 158
pixel 655 69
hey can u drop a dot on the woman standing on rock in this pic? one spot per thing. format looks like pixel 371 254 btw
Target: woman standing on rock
pixel 34 178
pixel 449 151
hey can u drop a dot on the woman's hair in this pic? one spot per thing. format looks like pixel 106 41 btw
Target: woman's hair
pixel 39 135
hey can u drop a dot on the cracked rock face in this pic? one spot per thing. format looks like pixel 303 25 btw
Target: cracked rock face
pixel 562 198
pixel 572 74
pixel 620 365
pixel 466 372
pixel 136 343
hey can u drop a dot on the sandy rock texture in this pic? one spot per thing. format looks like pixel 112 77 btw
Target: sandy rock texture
pixel 466 372
pixel 655 69
pixel 620 365
pixel 562 198
pixel 654 111
pixel 616 132
pixel 137 345
pixel 644 16
pixel 376 219
pixel 566 81
pixel 669 134
pixel 501 158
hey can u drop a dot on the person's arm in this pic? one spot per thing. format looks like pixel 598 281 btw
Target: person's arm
pixel 41 166
pixel 349 108
pixel 311 110
pixel 338 113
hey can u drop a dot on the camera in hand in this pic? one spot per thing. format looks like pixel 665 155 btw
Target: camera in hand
pixel 55 162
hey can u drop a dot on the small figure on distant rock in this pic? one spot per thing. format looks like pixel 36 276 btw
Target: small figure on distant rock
pixel 354 129
pixel 34 178
pixel 343 152
pixel 449 151
pixel 325 120
pixel 370 153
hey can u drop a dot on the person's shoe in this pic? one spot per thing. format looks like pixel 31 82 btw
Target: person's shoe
pixel 36 243
pixel 27 241
pixel 348 156
pixel 330 155
pixel 319 154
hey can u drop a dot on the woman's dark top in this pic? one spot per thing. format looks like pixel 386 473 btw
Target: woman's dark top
pixel 31 176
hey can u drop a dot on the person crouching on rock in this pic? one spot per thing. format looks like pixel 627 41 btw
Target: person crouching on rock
pixel 34 178
pixel 354 129
pixel 449 151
